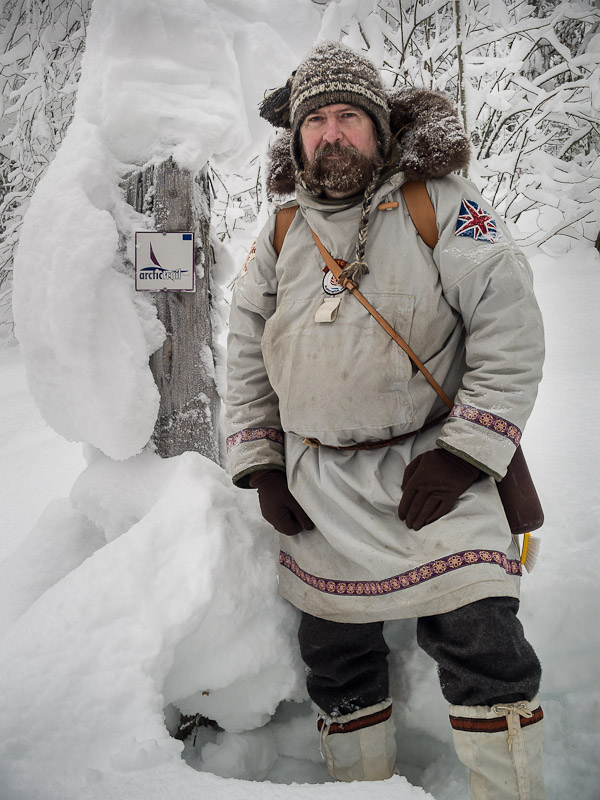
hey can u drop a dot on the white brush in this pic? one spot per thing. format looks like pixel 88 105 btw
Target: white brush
pixel 530 551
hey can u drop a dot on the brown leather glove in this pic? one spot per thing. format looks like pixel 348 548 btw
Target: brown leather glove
pixel 431 485
pixel 277 504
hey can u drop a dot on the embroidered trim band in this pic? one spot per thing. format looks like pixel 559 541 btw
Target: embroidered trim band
pixel 492 725
pixel 356 724
pixel 253 435
pixel 405 580
pixel 488 420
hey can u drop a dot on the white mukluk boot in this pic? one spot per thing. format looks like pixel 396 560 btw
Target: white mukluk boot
pixel 360 746
pixel 502 746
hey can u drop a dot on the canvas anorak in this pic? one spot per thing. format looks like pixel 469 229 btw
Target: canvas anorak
pixel 468 311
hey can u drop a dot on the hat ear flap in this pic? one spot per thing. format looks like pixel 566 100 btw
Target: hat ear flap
pixel 275 108
pixel 281 179
pixel 431 139
pixel 401 111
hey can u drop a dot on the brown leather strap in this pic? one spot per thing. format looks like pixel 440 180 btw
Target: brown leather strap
pixel 377 444
pixel 355 724
pixel 417 201
pixel 421 211
pixel 352 288
pixel 283 220
pixel 474 725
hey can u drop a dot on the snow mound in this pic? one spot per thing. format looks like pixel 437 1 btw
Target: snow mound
pixel 181 608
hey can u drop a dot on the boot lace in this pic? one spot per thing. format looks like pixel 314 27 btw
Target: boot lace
pixel 326 721
pixel 513 714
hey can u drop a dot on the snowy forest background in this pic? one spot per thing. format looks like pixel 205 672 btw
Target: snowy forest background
pixel 151 590
pixel 524 75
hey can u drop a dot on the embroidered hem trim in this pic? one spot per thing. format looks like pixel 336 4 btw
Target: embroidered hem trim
pixel 488 420
pixel 471 725
pixel 405 580
pixel 357 724
pixel 253 435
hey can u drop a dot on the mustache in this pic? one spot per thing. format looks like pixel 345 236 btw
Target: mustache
pixel 334 149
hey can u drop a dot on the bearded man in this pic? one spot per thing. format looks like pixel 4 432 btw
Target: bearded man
pixel 386 504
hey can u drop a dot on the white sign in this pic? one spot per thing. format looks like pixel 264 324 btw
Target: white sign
pixel 164 262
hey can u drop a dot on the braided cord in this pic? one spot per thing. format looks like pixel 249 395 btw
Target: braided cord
pixel 359 266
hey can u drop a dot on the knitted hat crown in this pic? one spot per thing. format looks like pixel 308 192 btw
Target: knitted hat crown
pixel 332 73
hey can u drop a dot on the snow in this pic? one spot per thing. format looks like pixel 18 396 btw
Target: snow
pixel 27 436
pixel 134 588
pixel 162 596
pixel 85 335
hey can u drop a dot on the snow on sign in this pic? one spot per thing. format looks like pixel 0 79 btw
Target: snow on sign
pixel 164 262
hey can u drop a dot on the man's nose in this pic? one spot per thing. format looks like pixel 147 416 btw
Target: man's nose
pixel 332 131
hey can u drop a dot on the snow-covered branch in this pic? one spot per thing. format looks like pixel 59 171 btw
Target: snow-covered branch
pixel 41 44
pixel 524 75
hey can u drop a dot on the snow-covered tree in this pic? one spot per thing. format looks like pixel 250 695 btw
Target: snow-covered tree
pixel 525 77
pixel 41 44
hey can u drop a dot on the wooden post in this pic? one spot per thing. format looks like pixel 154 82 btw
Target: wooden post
pixel 183 367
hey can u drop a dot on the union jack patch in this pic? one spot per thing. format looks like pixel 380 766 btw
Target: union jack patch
pixel 475 222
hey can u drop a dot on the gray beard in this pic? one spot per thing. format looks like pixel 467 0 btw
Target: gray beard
pixel 348 175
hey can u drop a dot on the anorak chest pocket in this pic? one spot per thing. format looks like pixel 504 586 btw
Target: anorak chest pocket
pixel 346 375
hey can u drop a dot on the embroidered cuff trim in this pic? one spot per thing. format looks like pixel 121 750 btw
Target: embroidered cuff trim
pixel 405 580
pixel 488 420
pixel 253 435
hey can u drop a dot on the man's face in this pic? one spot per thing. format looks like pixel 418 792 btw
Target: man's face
pixel 339 123
pixel 339 148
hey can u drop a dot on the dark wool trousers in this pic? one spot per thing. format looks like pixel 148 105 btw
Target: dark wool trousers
pixel 480 649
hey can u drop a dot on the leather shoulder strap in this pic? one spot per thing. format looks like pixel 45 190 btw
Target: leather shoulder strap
pixel 283 221
pixel 421 211
pixel 352 288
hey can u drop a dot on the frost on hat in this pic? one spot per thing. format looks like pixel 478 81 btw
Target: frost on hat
pixel 332 73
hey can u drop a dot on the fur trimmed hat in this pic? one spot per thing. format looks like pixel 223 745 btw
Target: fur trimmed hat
pixel 331 73
pixel 431 141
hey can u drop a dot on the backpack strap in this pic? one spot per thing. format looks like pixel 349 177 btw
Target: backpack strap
pixel 421 211
pixel 283 220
